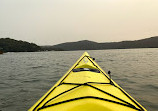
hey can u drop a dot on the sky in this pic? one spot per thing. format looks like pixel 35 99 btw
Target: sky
pixel 50 22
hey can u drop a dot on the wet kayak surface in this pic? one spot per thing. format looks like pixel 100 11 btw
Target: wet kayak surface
pixel 25 77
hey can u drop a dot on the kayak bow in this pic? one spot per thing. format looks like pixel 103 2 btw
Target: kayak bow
pixel 86 87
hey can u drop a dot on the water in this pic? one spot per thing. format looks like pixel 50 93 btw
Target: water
pixel 25 77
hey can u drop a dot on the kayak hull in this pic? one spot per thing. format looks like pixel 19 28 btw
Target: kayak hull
pixel 86 87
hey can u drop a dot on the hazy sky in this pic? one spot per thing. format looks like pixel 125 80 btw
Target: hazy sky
pixel 49 22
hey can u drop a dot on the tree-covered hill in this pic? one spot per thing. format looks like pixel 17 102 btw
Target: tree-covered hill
pixel 11 45
pixel 151 42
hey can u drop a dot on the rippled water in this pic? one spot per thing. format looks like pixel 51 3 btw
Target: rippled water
pixel 25 77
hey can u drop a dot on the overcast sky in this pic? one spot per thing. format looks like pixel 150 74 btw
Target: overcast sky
pixel 49 22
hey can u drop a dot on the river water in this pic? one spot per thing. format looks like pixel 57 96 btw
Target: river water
pixel 26 76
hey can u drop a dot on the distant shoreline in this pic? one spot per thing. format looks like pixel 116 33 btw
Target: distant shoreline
pixel 11 45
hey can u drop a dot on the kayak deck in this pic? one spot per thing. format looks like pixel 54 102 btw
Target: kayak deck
pixel 86 87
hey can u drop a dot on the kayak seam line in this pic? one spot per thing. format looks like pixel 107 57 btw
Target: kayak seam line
pixel 112 96
pixel 61 94
pixel 44 98
pixel 131 99
pixel 84 83
pixel 87 97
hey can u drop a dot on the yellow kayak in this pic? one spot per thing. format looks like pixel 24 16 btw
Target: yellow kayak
pixel 86 87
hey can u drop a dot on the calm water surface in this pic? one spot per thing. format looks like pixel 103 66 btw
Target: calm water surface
pixel 25 77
